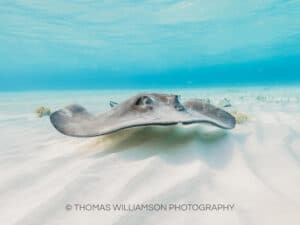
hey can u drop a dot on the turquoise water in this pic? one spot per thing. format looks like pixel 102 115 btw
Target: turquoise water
pixel 148 44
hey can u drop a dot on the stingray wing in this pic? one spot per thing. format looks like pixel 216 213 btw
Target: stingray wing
pixel 76 121
pixel 217 116
pixel 73 120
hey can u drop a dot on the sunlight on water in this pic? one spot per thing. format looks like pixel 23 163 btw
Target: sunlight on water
pixel 80 43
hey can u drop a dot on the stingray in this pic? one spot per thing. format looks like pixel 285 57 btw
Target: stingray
pixel 145 109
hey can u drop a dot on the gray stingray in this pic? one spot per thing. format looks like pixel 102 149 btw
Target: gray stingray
pixel 140 110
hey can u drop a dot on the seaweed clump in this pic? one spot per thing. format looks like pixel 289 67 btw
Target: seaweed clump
pixel 261 98
pixel 42 111
pixel 240 117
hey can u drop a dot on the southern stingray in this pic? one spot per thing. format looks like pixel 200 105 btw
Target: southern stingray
pixel 140 110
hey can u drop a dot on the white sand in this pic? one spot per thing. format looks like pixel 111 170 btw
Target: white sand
pixel 255 166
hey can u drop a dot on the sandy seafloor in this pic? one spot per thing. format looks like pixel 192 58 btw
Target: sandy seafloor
pixel 256 166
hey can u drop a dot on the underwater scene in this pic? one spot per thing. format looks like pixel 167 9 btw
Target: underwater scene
pixel 150 112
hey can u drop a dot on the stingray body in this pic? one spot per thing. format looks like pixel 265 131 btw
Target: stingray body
pixel 145 109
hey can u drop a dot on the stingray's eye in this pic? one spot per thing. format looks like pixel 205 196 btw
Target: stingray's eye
pixel 145 100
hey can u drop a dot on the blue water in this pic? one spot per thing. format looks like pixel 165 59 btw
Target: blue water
pixel 148 44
